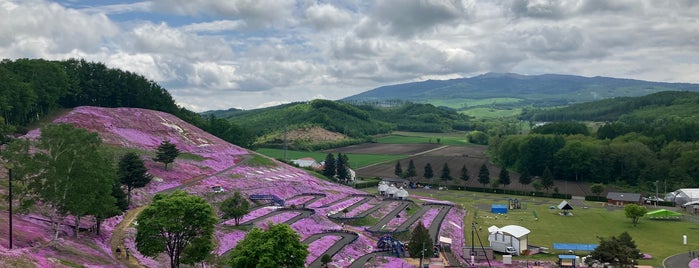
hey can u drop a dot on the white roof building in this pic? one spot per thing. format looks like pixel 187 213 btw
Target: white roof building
pixel 511 235
pixel 392 190
pixel 402 193
pixel 686 195
pixel 383 187
pixel 307 163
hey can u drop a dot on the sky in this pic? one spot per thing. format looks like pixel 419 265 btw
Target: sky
pixel 247 54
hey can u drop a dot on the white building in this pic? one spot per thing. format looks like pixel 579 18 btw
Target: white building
pixel 683 196
pixel 510 236
pixel 391 191
pixel 307 163
pixel 383 187
pixel 402 194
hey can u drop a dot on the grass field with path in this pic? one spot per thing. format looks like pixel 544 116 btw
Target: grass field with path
pixel 400 137
pixel 355 160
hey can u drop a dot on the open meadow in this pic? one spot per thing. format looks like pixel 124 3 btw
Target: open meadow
pixel 590 220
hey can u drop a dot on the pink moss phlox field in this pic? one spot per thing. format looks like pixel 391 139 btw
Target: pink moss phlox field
pixel 130 244
pixel 694 263
pixel 428 217
pixel 313 225
pixel 298 201
pixel 276 219
pixel 316 248
pixel 227 240
pixel 452 227
pixel 397 221
pixel 337 208
pixel 361 208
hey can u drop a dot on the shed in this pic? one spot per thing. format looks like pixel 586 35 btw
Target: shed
pixel 685 195
pixel 383 187
pixel 622 199
pixel 509 236
pixel 307 163
pixel 566 208
pixel 498 208
pixel 391 191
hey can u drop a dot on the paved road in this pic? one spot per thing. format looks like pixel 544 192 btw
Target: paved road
pixel 679 260
pixel 379 225
pixel 303 214
pixel 340 215
pixel 346 239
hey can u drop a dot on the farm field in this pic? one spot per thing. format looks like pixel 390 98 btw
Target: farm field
pixel 399 137
pixel 590 220
pixel 483 112
pixel 355 159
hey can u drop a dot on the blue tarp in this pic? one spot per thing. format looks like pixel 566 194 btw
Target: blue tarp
pixel 498 208
pixel 567 257
pixel 567 246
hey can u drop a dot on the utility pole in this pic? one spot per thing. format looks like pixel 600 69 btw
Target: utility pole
pixel 656 193
pixel 284 142
pixel 10 203
pixel 473 243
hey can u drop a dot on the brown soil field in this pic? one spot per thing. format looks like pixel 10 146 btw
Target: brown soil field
pixel 381 148
pixel 455 157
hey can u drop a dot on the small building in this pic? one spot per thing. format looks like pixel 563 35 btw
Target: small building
pixel 622 199
pixel 383 187
pixel 402 194
pixel 307 163
pixel 566 208
pixel 391 191
pixel 514 236
pixel 685 195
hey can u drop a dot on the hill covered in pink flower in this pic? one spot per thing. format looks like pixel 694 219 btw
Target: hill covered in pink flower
pixel 207 162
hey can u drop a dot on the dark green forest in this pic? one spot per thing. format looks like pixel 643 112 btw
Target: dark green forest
pixel 642 140
pixel 31 89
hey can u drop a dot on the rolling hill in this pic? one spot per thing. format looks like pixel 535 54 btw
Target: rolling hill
pixel 206 161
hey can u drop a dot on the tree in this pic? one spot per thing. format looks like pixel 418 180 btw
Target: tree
pixel 635 212
pixel 419 240
pixel 326 259
pixel 446 173
pixel 330 167
pixel 16 155
pixel 398 170
pixel 547 179
pixel 537 185
pixel 178 223
pixel 619 251
pixel 166 153
pixel 484 176
pixel 411 170
pixel 597 188
pixel 279 246
pixel 504 177
pixel 429 173
pixel 343 173
pixel 525 179
pixel 464 173
pixel 235 207
pixel 75 178
pixel 132 173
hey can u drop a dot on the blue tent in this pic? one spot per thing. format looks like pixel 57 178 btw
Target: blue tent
pixel 498 208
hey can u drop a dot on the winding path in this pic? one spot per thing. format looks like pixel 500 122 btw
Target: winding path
pixel 303 214
pixel 379 225
pixel 346 239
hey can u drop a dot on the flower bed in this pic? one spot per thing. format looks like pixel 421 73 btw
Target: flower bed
pixel 316 248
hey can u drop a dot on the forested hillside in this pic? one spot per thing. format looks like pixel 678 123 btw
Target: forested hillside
pixel 31 89
pixel 643 140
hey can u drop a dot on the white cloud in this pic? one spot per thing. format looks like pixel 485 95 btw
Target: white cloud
pixel 256 13
pixel 325 16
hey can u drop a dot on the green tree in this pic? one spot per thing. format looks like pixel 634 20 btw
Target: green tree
pixel 326 259
pixel 178 223
pixel 398 170
pixel 235 207
pixel 477 137
pixel 597 188
pixel 17 156
pixel 330 167
pixel 419 240
pixel 504 177
pixel 537 185
pixel 132 173
pixel 484 176
pixel 446 172
pixel 75 178
pixel 429 173
pixel 411 170
pixel 635 212
pixel 343 173
pixel 279 246
pixel 464 173
pixel 547 179
pixel 166 153
pixel 525 179
pixel 619 251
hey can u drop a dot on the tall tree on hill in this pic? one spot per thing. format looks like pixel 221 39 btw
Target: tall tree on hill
pixel 419 240
pixel 330 167
pixel 525 179
pixel 120 205
pixel 504 177
pixel 343 172
pixel 484 176
pixel 398 170
pixel 178 223
pixel 464 173
pixel 411 170
pixel 166 153
pixel 547 179
pixel 235 207
pixel 132 173
pixel 75 177
pixel 446 172
pixel 429 173
pixel 16 155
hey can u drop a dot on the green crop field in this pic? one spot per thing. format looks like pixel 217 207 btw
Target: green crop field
pixel 401 137
pixel 482 112
pixel 463 103
pixel 659 238
pixel 355 160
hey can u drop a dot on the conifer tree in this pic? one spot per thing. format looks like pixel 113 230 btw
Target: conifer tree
pixel 132 173
pixel 484 176
pixel 504 177
pixel 419 240
pixel 411 169
pixel 166 153
pixel 398 171
pixel 464 174
pixel 330 167
pixel 429 173
pixel 446 172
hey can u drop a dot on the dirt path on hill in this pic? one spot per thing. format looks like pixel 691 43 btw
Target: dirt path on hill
pixel 117 239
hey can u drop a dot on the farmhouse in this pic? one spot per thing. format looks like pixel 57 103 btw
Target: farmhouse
pixel 514 236
pixel 622 199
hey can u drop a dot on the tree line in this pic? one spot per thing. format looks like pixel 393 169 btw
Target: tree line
pixel 31 89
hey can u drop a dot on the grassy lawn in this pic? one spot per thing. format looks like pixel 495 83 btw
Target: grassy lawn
pixel 482 112
pixel 401 137
pixel 355 160
pixel 656 237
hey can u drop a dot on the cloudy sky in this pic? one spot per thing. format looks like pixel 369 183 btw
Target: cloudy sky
pixel 219 54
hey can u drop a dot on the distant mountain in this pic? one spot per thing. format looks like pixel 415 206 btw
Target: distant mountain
pixel 538 90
